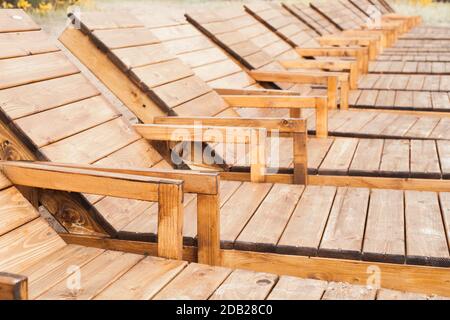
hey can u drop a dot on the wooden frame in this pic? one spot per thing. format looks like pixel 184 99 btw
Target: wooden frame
pixel 13 287
pixel 142 184
pixel 420 279
pixel 329 79
pixel 251 131
pixel 373 43
pixel 294 103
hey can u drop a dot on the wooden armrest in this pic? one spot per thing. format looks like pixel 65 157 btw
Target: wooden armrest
pixel 282 102
pixel 255 92
pixel 317 77
pixel 119 185
pixel 13 286
pixel 206 183
pixel 282 125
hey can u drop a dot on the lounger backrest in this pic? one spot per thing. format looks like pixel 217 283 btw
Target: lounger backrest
pixel 245 39
pixel 365 6
pixel 59 116
pixel 137 51
pixel 359 15
pixel 312 18
pixel 284 24
pixel 338 14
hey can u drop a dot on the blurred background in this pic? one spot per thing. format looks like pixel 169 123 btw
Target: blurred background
pixel 52 13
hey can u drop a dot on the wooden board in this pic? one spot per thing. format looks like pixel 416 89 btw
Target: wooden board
pixel 245 285
pixel 384 238
pixel 291 288
pixel 196 282
pixel 344 233
pixel 425 235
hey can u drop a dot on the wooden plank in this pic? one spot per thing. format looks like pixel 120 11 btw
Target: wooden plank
pixel 426 241
pixel 97 275
pixel 444 201
pixel 37 97
pixel 317 149
pixel 108 20
pixel 238 210
pixel 24 70
pixel 444 157
pixel 158 74
pixel 267 224
pixel 395 159
pixel 144 280
pixel 49 271
pixel 422 100
pixel 423 127
pixel 133 57
pixel 400 126
pixel 15 210
pixel 28 244
pixel 384 238
pixel 93 144
pixel 344 233
pixel 81 115
pixel 195 282
pixel 404 99
pixel 292 288
pixel 176 93
pixel 339 157
pixel 122 38
pixel 367 158
pixel 424 159
pixel 343 291
pixel 14 20
pixel 385 99
pixel 441 101
pixel 245 285
pixel 305 228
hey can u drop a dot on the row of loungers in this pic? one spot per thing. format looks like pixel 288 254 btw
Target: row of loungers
pixel 368 188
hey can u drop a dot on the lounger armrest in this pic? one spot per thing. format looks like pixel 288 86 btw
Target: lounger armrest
pixel 243 134
pixel 255 92
pixel 13 286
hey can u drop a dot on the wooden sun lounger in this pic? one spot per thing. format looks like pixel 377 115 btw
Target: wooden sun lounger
pixel 323 27
pixel 110 146
pixel 346 151
pixel 37 264
pixel 374 87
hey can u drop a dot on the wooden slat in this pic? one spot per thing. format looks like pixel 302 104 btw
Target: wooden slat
pixel 239 208
pixel 395 158
pixel 291 288
pixel 93 144
pixel 245 285
pixel 49 271
pixel 366 160
pixel 444 157
pixel 29 99
pixel 162 73
pixel 28 244
pixel 384 238
pixel 385 294
pixel 424 159
pixel 14 20
pixel 339 157
pixel 122 38
pixel 267 224
pixel 144 280
pixel 196 282
pixel 426 241
pixel 343 236
pixel 19 71
pixel 81 115
pixel 15 210
pixel 305 228
pixel 96 275
pixel 133 57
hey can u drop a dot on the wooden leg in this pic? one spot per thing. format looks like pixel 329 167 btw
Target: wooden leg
pixel 170 221
pixel 208 229
pixel 13 287
pixel 332 91
pixel 300 158
pixel 258 156
pixel 344 95
pixel 321 119
pixel 354 77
